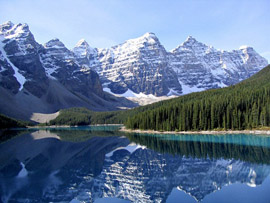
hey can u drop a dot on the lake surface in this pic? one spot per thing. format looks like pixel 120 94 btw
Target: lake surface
pixel 101 164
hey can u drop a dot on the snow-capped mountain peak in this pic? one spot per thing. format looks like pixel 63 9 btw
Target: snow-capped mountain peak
pixel 141 65
pixel 6 26
pixel 190 39
pixel 82 43
pixel 11 31
pixel 82 49
pixel 54 43
pixel 84 54
pixel 192 66
pixel 150 35
pixel 20 60
pixel 148 38
pixel 244 47
pixel 56 48
pixel 192 44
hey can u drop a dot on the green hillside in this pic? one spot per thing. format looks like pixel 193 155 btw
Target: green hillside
pixel 242 106
pixel 84 116
pixel 6 122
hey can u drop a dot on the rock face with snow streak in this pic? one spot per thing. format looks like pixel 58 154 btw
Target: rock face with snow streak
pixel 143 65
pixel 46 78
pixel 19 51
pixel 60 64
pixel 140 65
pixel 200 67
pixel 85 54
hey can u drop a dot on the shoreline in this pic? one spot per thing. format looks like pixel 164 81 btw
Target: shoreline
pixel 258 132
pixel 68 126
pixel 123 129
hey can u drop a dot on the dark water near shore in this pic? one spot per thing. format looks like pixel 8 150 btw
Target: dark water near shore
pixel 101 164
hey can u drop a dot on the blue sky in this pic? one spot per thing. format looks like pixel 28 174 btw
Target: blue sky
pixel 103 23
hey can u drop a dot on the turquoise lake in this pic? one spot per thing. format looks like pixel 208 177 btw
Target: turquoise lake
pixel 102 164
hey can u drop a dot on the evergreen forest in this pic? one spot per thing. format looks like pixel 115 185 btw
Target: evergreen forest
pixel 7 122
pixel 242 106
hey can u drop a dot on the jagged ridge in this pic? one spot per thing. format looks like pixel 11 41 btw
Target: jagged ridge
pixel 143 65
pixel 45 78
pixel 56 77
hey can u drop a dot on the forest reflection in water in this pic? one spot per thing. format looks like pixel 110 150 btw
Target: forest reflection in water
pixel 92 163
pixel 252 148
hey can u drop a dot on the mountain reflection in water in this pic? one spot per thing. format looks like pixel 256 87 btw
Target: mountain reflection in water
pixel 87 165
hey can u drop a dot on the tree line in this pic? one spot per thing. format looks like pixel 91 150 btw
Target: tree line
pixel 242 106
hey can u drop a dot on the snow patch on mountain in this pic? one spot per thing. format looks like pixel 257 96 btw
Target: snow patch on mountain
pixel 129 93
pixel 243 47
pixel 19 33
pixel 19 77
pixel 138 68
pixel 201 67
pixel 82 49
pixel 54 50
pixel 141 98
pixel 15 31
pixel 172 92
pixel 142 64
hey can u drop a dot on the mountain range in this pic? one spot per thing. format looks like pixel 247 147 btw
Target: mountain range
pixel 46 78
pixel 142 65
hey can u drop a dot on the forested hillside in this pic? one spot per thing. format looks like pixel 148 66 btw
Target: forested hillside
pixel 6 122
pixel 242 106
pixel 84 116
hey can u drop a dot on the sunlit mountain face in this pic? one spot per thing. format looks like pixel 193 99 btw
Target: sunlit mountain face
pixel 45 78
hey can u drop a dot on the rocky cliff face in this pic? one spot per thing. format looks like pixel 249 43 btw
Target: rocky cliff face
pixel 60 64
pixel 46 78
pixel 32 65
pixel 143 65
pixel 140 65
pixel 21 61
pixel 200 67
